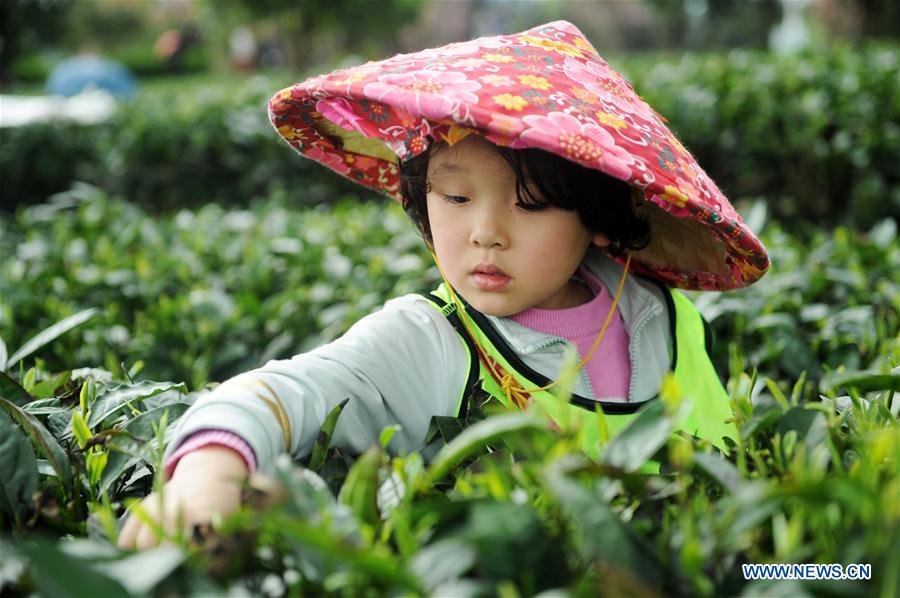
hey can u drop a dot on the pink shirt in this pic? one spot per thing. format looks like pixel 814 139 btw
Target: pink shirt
pixel 609 370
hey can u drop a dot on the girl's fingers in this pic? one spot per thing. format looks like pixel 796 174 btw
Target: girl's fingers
pixel 136 534
pixel 129 532
pixel 146 538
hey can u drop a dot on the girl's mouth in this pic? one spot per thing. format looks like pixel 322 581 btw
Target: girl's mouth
pixel 488 277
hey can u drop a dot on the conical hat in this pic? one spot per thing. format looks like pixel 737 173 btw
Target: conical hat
pixel 544 88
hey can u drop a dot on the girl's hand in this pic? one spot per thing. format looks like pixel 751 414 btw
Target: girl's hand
pixel 205 482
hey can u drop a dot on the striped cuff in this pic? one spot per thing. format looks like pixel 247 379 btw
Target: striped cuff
pixel 205 438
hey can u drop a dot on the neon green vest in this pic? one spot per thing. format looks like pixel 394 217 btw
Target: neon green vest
pixel 693 370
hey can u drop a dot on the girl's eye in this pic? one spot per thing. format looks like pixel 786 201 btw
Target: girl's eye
pixel 532 207
pixel 456 199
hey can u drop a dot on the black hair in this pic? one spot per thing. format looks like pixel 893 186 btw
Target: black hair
pixel 603 202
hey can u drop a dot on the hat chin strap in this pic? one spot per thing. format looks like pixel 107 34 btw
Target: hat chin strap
pixel 515 393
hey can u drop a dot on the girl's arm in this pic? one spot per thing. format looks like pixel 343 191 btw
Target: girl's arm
pixel 401 365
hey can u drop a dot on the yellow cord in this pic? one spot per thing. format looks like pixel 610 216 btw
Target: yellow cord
pixel 515 393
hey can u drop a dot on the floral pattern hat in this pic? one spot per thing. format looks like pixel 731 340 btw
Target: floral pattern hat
pixel 544 88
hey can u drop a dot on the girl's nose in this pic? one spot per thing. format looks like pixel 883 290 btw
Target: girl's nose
pixel 488 231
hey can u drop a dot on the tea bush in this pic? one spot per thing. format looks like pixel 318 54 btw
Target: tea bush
pixel 508 506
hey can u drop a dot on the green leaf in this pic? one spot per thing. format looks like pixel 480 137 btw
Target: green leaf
pixel 95 462
pixel 141 572
pixel 28 380
pixel 777 394
pixel 603 536
pixel 475 438
pixel 374 563
pixel 720 470
pixel 47 388
pixel 80 429
pixel 44 440
pixel 442 561
pixel 384 439
pixel 323 440
pixel 18 469
pixel 57 573
pixel 45 407
pixel 809 424
pixel 13 391
pixel 864 381
pixel 501 529
pixel 640 439
pixel 51 334
pixel 125 454
pixel 113 399
pixel 360 490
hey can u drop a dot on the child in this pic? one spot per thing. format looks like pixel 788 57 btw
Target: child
pixel 541 183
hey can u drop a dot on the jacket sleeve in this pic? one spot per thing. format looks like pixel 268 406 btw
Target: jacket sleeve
pixel 400 365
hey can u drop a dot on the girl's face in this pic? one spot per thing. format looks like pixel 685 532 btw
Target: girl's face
pixel 503 256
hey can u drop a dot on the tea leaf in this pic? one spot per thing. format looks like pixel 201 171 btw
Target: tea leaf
pixel 323 439
pixel 864 381
pixel 720 470
pixel 473 439
pixel 44 440
pixel 13 391
pixel 79 429
pixel 360 490
pixel 602 535
pixel 52 333
pixel 640 439
pixel 112 400
pixel 57 573
pixel 141 572
pixel 18 470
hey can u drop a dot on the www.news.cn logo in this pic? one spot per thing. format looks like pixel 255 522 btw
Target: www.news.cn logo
pixel 807 571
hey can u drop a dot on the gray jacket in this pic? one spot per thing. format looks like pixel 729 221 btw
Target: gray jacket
pixel 402 365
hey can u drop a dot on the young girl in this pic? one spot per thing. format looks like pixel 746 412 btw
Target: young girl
pixel 560 211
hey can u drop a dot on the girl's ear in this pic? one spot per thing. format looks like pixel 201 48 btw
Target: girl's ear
pixel 600 240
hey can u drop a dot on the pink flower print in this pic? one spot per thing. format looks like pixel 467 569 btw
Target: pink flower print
pixel 584 95
pixel 329 159
pixel 681 193
pixel 565 26
pixel 469 63
pixel 585 143
pixel 291 134
pixel 510 101
pixel 363 162
pixel 610 120
pixel 608 86
pixel 584 44
pixel 494 57
pixel 340 112
pixel 433 94
pixel 553 45
pixel 496 80
pixel 665 158
pixel 535 82
pixel 448 51
pixel 506 125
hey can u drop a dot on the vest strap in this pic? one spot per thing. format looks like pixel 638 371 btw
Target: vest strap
pixel 448 310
